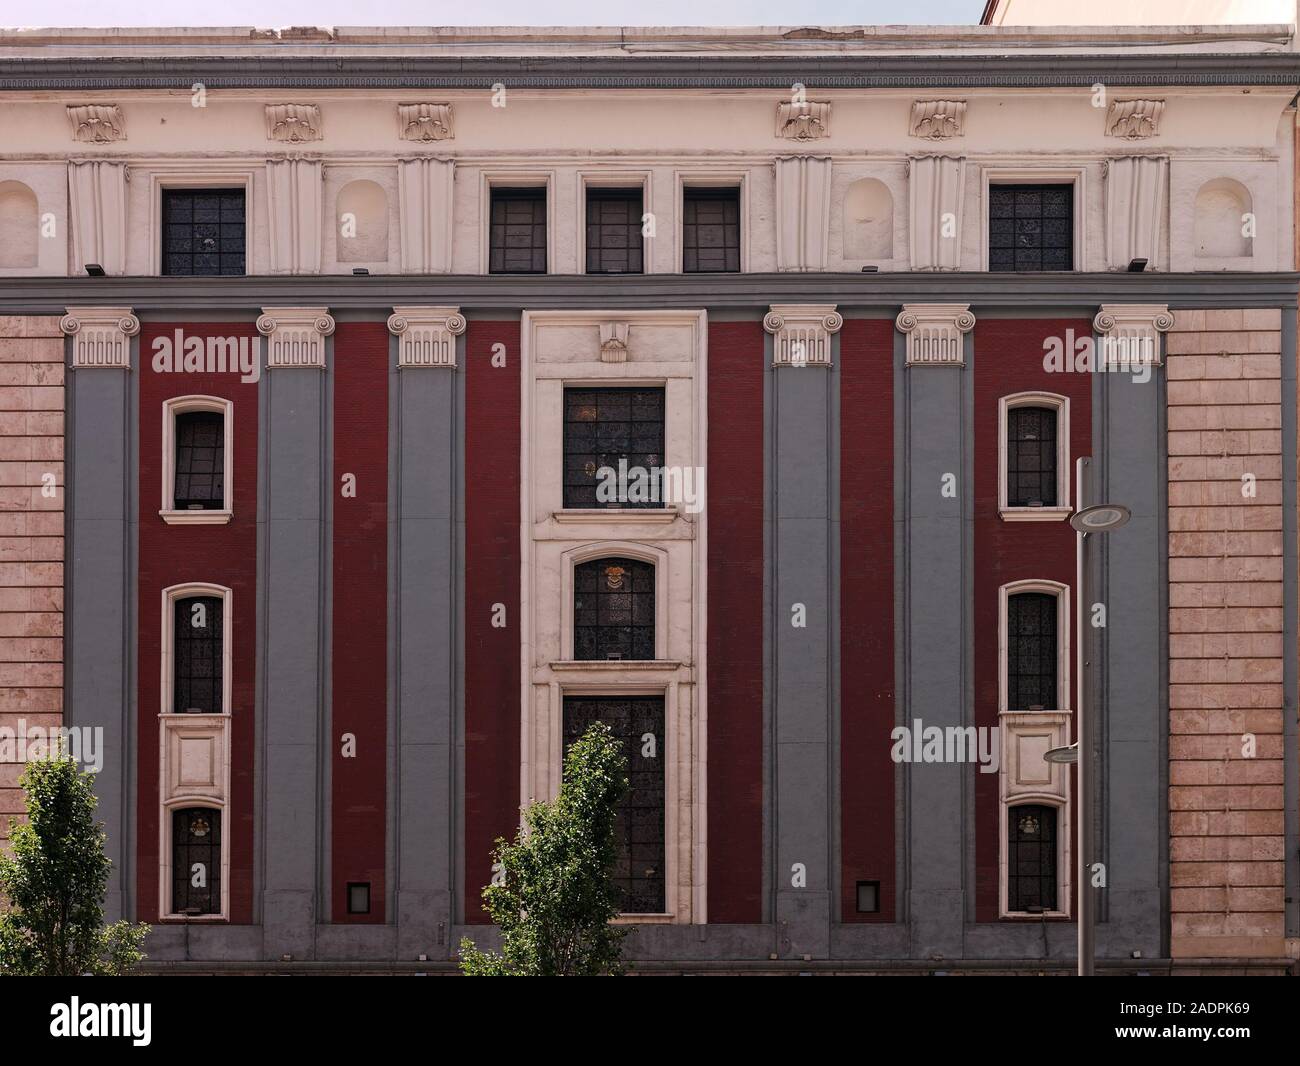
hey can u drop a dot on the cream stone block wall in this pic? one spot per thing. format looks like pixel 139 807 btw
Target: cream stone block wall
pixel 664 348
pixel 48 182
pixel 1225 634
pixel 31 536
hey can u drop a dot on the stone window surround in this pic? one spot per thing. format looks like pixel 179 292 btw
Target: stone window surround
pixel 1062 594
pixel 196 176
pixel 168 800
pixel 1062 509
pixel 1064 855
pixel 522 178
pixel 571 558
pixel 1028 174
pixel 614 178
pixel 712 178
pixel 178 405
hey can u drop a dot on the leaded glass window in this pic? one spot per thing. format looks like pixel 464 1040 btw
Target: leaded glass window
pixel 197 636
pixel 517 237
pixel 1031 652
pixel 1031 858
pixel 203 231
pixel 639 826
pixel 710 230
pixel 1031 227
pixel 1031 457
pixel 200 461
pixel 196 861
pixel 614 241
pixel 614 609
pixel 603 427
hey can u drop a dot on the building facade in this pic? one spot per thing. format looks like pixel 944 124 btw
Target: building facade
pixel 381 407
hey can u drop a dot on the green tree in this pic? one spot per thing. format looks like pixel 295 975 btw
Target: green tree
pixel 52 885
pixel 554 898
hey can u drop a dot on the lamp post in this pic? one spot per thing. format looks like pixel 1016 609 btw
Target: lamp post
pixel 1086 520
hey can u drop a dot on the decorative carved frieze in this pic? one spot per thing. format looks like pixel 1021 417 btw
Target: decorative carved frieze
pixel 295 336
pixel 934 333
pixel 97 123
pixel 613 342
pixel 936 186
pixel 426 336
pixel 424 122
pixel 938 120
pixel 293 123
pixel 801 333
pixel 97 206
pixel 424 188
pixel 1130 334
pixel 1134 120
pixel 806 121
pixel 1135 202
pixel 101 336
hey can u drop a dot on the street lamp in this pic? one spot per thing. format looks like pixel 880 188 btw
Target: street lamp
pixel 1086 520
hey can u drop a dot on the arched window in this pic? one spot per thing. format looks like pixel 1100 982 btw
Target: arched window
pixel 1034 445
pixel 198 453
pixel 614 609
pixel 198 647
pixel 19 226
pixel 196 861
pixel 1032 651
pixel 1031 859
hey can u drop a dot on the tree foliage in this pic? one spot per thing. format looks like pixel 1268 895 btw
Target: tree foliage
pixel 553 897
pixel 52 886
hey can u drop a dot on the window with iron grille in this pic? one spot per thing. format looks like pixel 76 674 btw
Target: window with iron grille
pixel 196 861
pixel 198 635
pixel 603 427
pixel 1031 457
pixel 1031 858
pixel 1031 227
pixel 614 242
pixel 614 609
pixel 1031 652
pixel 200 461
pixel 517 233
pixel 639 825
pixel 710 231
pixel 203 231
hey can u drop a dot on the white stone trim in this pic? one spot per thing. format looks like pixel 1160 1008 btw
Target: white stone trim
pixel 490 179
pixel 935 333
pixel 178 405
pixel 801 333
pixel 1062 509
pixel 803 212
pixel 1125 325
pixel 656 557
pixel 936 191
pixel 1030 175
pixel 426 189
pixel 426 336
pixel 1063 636
pixel 101 336
pixel 97 209
pixel 1135 210
pixel 184 591
pixel 295 336
pixel 194 175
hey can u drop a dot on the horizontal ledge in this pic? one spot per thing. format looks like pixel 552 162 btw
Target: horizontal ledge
pixel 613 665
pixel 195 518
pixel 1035 514
pixel 629 516
pixel 477 293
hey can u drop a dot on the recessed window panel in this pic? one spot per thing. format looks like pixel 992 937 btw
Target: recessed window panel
pixel 614 609
pixel 1031 227
pixel 200 461
pixel 1031 652
pixel 710 231
pixel 197 666
pixel 204 231
pixel 517 237
pixel 1031 457
pixel 1031 858
pixel 614 241
pixel 604 428
pixel 196 861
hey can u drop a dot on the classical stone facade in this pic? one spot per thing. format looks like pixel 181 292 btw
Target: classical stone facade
pixel 735 389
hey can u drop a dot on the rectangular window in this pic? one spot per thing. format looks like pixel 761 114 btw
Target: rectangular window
pixel 614 241
pixel 517 236
pixel 1031 652
pixel 198 635
pixel 203 231
pixel 1031 227
pixel 1031 457
pixel 603 427
pixel 711 231
pixel 614 609
pixel 638 722
pixel 200 461
pixel 1031 859
pixel 196 861
pixel 358 897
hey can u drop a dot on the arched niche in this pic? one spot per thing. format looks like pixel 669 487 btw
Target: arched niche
pixel 1221 230
pixel 19 226
pixel 868 220
pixel 362 220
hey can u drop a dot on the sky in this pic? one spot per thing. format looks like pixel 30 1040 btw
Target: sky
pixel 274 13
